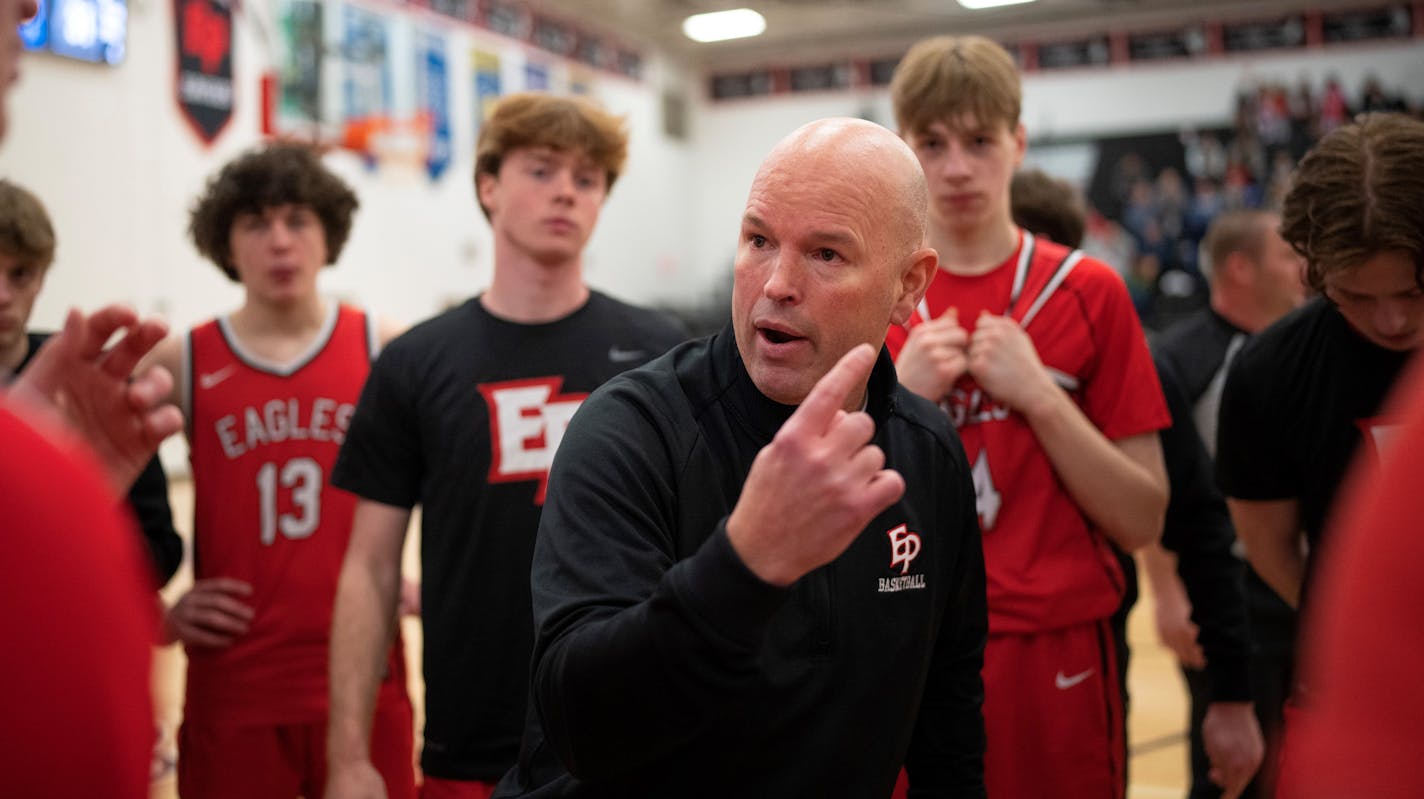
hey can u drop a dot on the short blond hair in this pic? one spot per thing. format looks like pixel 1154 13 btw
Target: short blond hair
pixel 949 77
pixel 567 124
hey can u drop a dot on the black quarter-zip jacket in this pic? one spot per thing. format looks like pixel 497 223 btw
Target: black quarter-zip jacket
pixel 664 668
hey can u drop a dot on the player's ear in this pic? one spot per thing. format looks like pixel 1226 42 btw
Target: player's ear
pixel 486 184
pixel 1238 267
pixel 914 281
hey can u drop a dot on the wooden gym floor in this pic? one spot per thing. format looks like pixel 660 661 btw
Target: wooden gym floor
pixel 1156 720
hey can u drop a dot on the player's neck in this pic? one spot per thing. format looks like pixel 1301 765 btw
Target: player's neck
pixel 531 293
pixel 973 251
pixel 278 331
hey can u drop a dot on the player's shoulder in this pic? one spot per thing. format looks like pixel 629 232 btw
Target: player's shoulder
pixel 1076 271
pixel 1291 340
pixel 447 337
pixel 451 321
pixel 655 325
pixel 1090 273
pixel 1189 334
pixel 1196 346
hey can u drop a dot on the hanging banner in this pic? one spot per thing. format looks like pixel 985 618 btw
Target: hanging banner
pixel 433 85
pixel 205 91
pixel 300 63
pixel 366 85
pixel 487 83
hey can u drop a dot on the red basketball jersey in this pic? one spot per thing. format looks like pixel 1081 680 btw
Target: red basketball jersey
pixel 1046 566
pixel 263 438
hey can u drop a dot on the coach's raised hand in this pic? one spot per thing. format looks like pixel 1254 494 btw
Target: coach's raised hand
pixel 92 389
pixel 817 484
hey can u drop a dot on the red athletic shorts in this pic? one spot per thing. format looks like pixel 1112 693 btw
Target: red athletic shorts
pixel 1053 717
pixel 436 788
pixel 289 760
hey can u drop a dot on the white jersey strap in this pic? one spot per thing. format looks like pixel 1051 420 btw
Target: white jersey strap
pixel 185 381
pixel 1021 269
pixel 1020 277
pixel 373 334
pixel 1209 404
pixel 1059 275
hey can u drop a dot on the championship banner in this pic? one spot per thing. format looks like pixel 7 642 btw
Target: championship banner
pixel 205 90
pixel 366 84
pixel 432 76
pixel 300 62
pixel 487 83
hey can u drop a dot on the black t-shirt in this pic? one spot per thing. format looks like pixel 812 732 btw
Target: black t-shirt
pixel 1200 349
pixel 1296 402
pixel 461 415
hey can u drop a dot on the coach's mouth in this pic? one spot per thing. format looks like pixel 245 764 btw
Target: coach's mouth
pixel 776 334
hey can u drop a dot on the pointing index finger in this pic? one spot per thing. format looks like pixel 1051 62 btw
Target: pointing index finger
pixel 830 393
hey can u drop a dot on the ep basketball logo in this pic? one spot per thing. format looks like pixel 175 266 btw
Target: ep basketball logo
pixel 904 548
pixel 527 421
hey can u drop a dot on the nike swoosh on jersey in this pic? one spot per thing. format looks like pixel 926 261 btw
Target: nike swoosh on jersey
pixel 1064 682
pixel 623 356
pixel 213 378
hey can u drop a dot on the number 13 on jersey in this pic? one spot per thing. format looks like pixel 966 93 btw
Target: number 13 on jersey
pixel 302 476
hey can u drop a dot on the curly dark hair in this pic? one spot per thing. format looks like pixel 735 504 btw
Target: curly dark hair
pixel 1357 193
pixel 270 176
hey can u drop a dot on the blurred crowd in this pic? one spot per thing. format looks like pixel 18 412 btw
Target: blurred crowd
pixel 1154 240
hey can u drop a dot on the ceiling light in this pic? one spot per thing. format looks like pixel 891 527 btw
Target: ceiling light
pixel 978 4
pixel 718 26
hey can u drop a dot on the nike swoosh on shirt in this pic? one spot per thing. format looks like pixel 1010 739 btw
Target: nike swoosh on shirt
pixel 1064 682
pixel 623 356
pixel 213 378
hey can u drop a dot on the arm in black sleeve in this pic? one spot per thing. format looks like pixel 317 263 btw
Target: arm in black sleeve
pixel 148 497
pixel 1198 529
pixel 642 630
pixel 946 756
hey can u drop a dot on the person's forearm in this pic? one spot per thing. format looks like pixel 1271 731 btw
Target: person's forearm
pixel 1213 577
pixel 1270 530
pixel 363 625
pixel 1279 562
pixel 1124 498
pixel 1160 566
